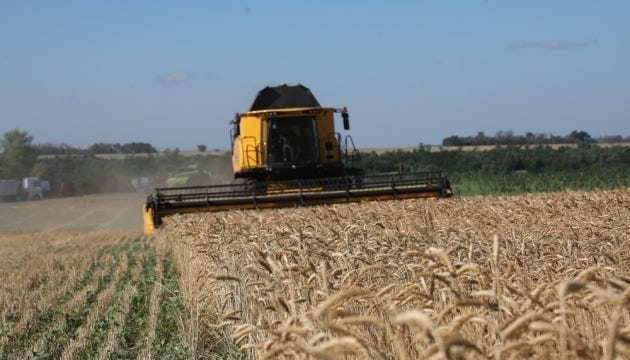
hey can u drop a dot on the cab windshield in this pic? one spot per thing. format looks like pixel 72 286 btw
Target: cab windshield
pixel 292 141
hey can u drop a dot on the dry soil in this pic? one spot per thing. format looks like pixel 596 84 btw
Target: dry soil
pixel 90 212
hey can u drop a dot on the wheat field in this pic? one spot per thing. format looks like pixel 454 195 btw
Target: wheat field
pixel 533 276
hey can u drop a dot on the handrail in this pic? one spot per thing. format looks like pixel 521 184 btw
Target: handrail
pixel 249 148
pixel 350 160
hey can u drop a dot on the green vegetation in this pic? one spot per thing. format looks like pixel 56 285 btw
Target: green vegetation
pixel 167 342
pixel 129 148
pixel 18 155
pixel 513 170
pixel 107 313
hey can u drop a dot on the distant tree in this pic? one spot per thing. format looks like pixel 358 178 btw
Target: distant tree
pixel 508 138
pixel 117 148
pixel 56 149
pixel 201 148
pixel 18 154
pixel 610 138
pixel 580 136
pixel 453 140
pixel 40 170
pixel 138 148
pixel 480 139
pixel 104 148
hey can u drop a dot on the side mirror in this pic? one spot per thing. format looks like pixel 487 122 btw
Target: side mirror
pixel 346 120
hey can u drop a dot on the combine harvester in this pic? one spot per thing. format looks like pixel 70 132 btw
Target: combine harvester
pixel 286 152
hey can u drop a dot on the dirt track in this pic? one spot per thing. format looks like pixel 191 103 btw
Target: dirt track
pixel 90 212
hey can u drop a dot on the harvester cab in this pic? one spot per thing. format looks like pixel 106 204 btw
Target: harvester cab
pixel 286 152
pixel 287 135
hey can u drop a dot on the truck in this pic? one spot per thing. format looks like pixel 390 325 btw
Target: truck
pixel 28 188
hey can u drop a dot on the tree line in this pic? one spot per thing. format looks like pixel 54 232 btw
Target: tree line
pixel 20 158
pixel 508 138
pixel 505 169
pixel 97 148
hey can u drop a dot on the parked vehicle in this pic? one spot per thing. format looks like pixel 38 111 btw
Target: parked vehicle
pixel 28 188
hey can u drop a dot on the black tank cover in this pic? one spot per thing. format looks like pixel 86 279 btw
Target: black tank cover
pixel 284 96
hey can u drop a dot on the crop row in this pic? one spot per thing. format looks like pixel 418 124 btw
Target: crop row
pixel 84 296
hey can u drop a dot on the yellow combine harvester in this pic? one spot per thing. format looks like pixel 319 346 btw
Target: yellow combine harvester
pixel 286 152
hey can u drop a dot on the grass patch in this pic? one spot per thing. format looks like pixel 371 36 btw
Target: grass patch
pixel 168 343
pixel 110 316
pixel 131 339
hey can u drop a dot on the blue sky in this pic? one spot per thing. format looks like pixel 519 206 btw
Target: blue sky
pixel 174 73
